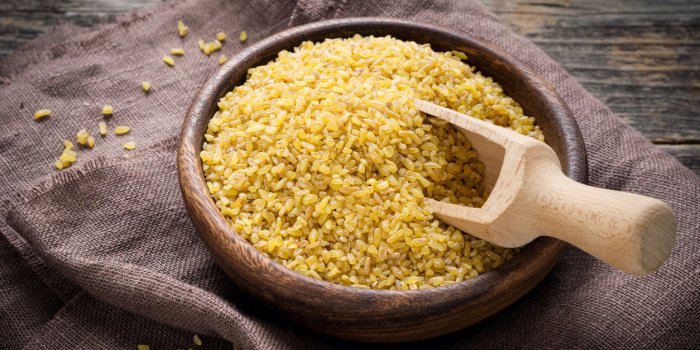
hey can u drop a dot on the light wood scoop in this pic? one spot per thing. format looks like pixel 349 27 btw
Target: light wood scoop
pixel 531 197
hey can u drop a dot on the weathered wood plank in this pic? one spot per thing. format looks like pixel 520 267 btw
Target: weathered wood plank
pixel 687 154
pixel 23 20
pixel 642 58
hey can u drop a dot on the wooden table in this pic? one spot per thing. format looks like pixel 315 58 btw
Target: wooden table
pixel 640 57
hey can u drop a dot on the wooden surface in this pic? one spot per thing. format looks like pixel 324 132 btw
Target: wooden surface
pixel 364 314
pixel 533 198
pixel 640 57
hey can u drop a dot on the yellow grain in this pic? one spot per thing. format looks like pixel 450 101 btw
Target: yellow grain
pixel 102 126
pixel 169 61
pixel 146 86
pixel 182 29
pixel 321 161
pixel 197 340
pixel 243 37
pixel 121 130
pixel 42 113
pixel 67 157
pixel 84 139
pixel 130 145
pixel 107 110
pixel 177 51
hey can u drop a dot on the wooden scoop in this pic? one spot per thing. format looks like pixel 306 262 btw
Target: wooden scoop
pixel 531 197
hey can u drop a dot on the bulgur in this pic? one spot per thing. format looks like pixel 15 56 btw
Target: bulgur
pixel 321 161
pixel 177 51
pixel 42 113
pixel 67 157
pixel 169 60
pixel 182 29
pixel 130 145
pixel 84 139
pixel 121 130
pixel 102 126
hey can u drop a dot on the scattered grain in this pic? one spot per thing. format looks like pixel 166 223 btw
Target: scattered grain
pixel 84 139
pixel 209 47
pixel 243 37
pixel 121 130
pixel 197 340
pixel 222 59
pixel 182 29
pixel 169 61
pixel 103 128
pixel 178 51
pixel 42 113
pixel 220 36
pixel 67 157
pixel 107 110
pixel 130 145
pixel 146 86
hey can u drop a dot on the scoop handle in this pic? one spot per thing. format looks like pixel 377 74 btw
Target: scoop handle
pixel 631 232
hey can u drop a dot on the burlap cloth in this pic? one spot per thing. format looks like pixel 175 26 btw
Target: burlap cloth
pixel 103 255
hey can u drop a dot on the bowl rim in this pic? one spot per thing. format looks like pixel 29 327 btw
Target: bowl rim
pixel 250 261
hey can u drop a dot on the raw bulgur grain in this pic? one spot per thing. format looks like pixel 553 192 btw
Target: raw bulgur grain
pixel 177 51
pixel 169 60
pixel 107 110
pixel 67 157
pixel 182 29
pixel 209 47
pixel 121 130
pixel 220 36
pixel 321 161
pixel 243 37
pixel 197 340
pixel 130 145
pixel 222 59
pixel 42 113
pixel 84 139
pixel 103 128
pixel 146 86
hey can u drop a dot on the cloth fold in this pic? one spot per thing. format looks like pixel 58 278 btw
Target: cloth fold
pixel 102 255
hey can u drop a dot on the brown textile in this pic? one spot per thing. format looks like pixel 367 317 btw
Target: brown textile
pixel 103 255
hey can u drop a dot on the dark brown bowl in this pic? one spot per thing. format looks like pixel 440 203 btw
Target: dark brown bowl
pixel 363 314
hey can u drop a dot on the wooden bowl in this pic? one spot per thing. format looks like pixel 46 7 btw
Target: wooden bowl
pixel 363 314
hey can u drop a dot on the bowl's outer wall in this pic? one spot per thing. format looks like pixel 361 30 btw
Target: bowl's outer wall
pixel 372 315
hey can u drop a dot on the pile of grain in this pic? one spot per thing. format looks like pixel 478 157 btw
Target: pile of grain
pixel 321 161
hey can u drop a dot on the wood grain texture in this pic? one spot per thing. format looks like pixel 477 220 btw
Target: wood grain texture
pixel 532 197
pixel 362 314
pixel 686 154
pixel 640 57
